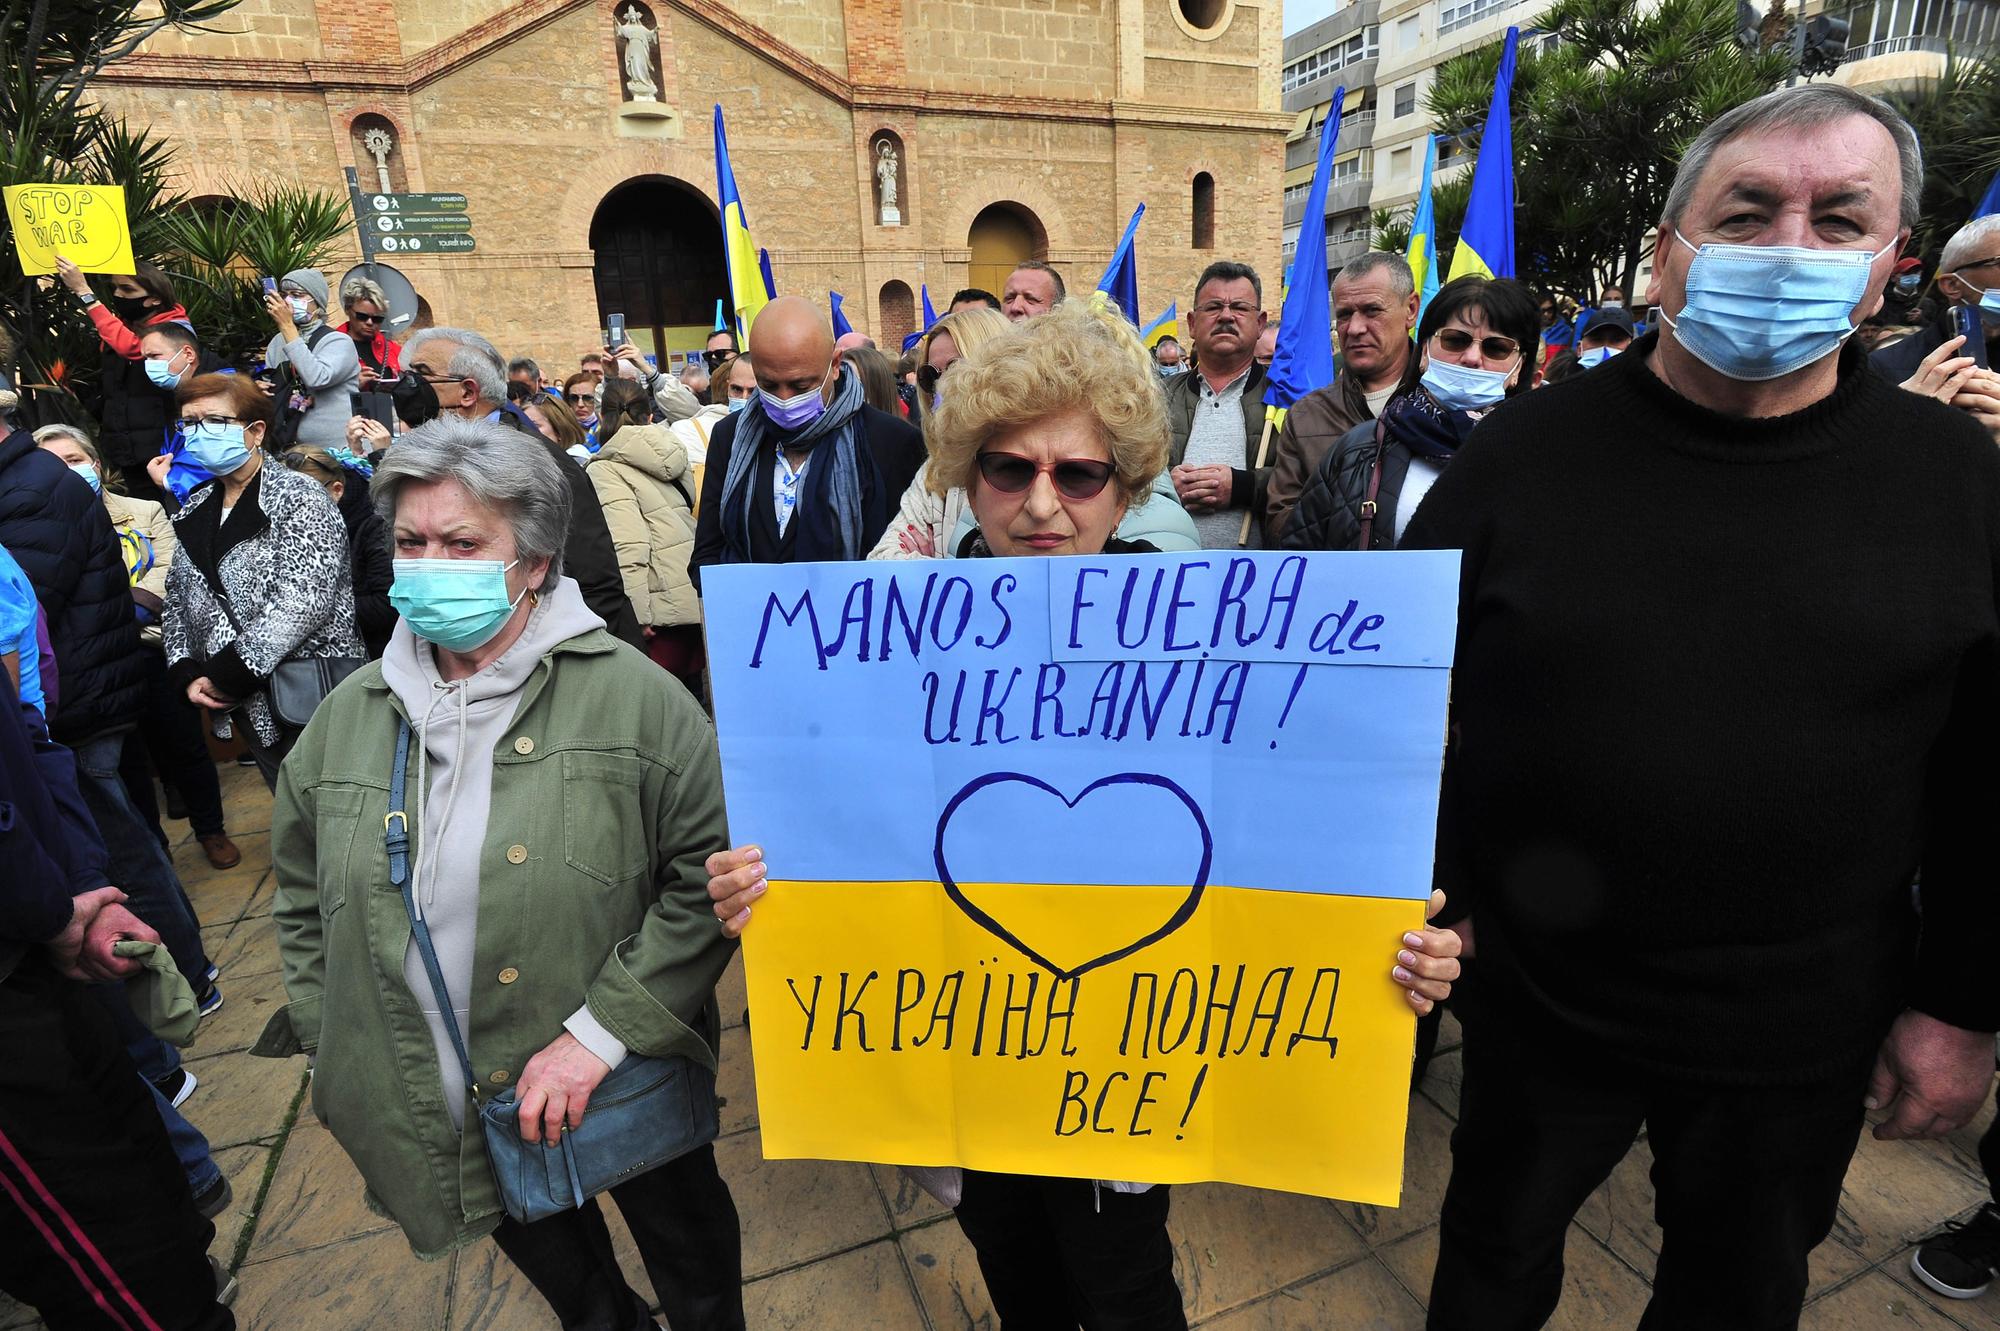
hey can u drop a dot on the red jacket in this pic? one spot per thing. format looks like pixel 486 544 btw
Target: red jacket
pixel 111 330
pixel 388 355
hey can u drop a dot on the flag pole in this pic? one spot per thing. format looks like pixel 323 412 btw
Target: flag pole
pixel 1263 460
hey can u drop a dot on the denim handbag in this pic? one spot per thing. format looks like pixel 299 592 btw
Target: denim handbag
pixel 646 1112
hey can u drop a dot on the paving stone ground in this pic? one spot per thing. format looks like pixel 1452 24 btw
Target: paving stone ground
pixel 832 1245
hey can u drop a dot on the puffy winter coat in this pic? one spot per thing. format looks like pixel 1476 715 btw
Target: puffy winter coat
pixel 642 478
pixel 54 526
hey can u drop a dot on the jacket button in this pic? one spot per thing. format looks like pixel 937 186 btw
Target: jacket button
pixel 509 975
pixel 517 854
pixel 524 746
pixel 499 1078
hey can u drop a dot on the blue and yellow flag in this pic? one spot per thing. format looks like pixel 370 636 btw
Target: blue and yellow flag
pixel 1989 202
pixel 1486 241
pixel 1303 360
pixel 721 324
pixel 1167 325
pixel 841 328
pixel 1121 275
pixel 930 315
pixel 1423 250
pixel 748 288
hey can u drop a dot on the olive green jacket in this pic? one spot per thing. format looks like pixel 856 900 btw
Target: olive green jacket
pixel 607 798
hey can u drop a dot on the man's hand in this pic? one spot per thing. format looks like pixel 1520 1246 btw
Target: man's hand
pixel 1941 374
pixel 202 693
pixel 1203 489
pixel 1932 1078
pixel 72 276
pixel 113 925
pixel 555 1088
pixel 66 948
pixel 365 434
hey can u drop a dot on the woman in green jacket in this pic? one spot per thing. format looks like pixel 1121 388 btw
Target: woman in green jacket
pixel 563 797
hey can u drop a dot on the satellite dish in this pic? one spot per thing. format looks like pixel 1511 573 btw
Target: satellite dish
pixel 402 311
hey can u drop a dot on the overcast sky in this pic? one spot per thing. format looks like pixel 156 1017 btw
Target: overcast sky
pixel 1299 13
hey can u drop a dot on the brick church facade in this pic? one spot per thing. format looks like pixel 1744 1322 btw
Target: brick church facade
pixel 1016 128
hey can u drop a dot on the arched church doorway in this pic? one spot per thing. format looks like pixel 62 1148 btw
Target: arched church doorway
pixel 1001 237
pixel 656 247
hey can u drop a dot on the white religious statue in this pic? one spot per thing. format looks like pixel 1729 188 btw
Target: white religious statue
pixel 379 145
pixel 638 39
pixel 885 173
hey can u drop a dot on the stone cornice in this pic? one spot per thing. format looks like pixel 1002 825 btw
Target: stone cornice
pixel 517 21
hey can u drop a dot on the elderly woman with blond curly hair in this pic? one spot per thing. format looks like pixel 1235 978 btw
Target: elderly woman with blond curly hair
pixel 1053 431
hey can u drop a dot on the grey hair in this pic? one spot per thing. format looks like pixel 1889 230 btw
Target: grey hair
pixel 503 469
pixel 362 288
pixel 76 432
pixel 1402 282
pixel 475 359
pixel 1966 240
pixel 1809 106
pixel 520 363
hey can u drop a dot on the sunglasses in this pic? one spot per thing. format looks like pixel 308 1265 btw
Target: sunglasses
pixel 361 318
pixel 1075 478
pixel 1455 341
pixel 579 399
pixel 716 357
pixel 928 376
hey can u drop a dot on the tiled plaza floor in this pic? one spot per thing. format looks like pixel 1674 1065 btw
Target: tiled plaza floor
pixel 832 1246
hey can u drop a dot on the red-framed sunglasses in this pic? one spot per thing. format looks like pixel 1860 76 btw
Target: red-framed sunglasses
pixel 1075 478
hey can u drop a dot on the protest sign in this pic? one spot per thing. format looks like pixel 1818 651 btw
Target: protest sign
pixel 1087 866
pixel 83 223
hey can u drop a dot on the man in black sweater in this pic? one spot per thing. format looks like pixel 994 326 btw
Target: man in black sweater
pixel 1722 686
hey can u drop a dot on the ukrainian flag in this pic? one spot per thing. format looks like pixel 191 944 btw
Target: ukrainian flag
pixel 1423 251
pixel 1167 325
pixel 1303 360
pixel 749 286
pixel 1486 241
pixel 1121 277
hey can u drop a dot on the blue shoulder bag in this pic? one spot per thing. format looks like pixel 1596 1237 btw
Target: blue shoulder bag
pixel 646 1112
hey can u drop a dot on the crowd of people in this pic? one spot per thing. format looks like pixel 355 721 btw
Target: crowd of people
pixel 1708 854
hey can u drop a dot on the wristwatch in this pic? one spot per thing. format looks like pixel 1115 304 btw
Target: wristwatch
pixel 87 299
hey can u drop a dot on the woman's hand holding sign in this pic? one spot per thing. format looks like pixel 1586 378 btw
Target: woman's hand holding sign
pixel 735 879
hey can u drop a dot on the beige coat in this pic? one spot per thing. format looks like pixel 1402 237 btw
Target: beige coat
pixel 146 536
pixel 644 482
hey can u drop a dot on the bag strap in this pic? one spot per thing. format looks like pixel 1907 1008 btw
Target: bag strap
pixel 1368 505
pixel 396 839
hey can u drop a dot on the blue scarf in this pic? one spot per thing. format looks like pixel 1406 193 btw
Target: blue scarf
pixel 839 477
pixel 1416 421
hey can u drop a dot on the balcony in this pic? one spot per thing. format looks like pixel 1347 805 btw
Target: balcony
pixel 1345 248
pixel 1932 28
pixel 1356 131
pixel 1349 194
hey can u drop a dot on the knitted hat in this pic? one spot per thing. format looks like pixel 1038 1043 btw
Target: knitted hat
pixel 309 281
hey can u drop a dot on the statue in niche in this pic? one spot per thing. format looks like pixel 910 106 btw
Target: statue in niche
pixel 638 39
pixel 886 167
pixel 380 144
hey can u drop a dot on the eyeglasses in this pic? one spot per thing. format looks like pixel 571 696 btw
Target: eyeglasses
pixel 1076 478
pixel 361 318
pixel 1215 308
pixel 186 423
pixel 928 376
pixel 579 399
pixel 1455 342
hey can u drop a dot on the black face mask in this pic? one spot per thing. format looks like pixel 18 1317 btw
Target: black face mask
pixel 416 401
pixel 127 307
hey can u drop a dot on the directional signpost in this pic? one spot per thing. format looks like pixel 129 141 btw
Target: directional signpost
pixel 410 223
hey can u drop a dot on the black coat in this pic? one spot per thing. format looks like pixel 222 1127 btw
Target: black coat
pixel 374 566
pixel 56 528
pixel 1328 514
pixel 898 450
pixel 136 414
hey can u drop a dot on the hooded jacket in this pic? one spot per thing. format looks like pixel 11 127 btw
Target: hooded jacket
pixel 57 530
pixel 642 478
pixel 602 800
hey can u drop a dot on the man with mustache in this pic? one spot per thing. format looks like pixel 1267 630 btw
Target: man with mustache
pixel 1216 414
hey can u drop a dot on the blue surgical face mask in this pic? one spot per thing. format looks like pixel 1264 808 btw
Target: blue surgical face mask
pixel 162 373
pixel 1758 312
pixel 1989 307
pixel 794 413
pixel 89 474
pixel 737 404
pixel 217 449
pixel 1592 357
pixel 1170 371
pixel 301 309
pixel 1464 387
pixel 459 604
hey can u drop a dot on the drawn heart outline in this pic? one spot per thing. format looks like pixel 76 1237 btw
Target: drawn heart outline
pixel 985 921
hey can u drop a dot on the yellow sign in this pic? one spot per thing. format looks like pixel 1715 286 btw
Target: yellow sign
pixel 1262 1041
pixel 85 224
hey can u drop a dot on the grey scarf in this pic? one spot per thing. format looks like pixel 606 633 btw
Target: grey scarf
pixel 829 515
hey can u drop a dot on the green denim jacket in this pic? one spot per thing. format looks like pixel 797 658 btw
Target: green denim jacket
pixel 607 798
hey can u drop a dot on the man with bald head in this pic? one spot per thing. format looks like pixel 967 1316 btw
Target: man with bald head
pixel 1720 689
pixel 851 340
pixel 808 471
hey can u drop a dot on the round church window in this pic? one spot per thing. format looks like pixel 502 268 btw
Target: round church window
pixel 1203 18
